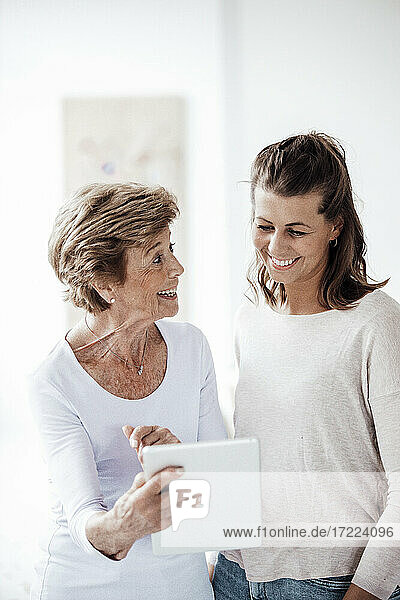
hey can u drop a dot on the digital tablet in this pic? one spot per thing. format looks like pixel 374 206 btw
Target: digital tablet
pixel 217 496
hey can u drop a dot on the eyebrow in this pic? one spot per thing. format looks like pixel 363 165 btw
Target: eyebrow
pixel 287 224
pixel 152 248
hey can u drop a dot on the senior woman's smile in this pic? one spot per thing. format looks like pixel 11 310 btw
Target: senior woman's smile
pixel 168 294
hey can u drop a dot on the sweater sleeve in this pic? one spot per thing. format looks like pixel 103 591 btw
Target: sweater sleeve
pixel 211 424
pixel 378 571
pixel 68 453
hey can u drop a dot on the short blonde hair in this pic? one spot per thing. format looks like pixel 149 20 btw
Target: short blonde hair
pixel 93 230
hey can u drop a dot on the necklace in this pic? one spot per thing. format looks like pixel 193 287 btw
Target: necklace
pixel 138 367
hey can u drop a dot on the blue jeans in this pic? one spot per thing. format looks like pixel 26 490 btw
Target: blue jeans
pixel 230 583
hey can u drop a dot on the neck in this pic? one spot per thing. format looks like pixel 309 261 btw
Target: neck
pixel 126 338
pixel 302 298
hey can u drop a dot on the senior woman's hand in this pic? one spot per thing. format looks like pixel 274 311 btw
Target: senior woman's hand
pixel 142 510
pixel 148 435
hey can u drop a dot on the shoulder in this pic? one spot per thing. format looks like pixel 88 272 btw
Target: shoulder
pixel 53 369
pixel 383 301
pixel 187 343
pixel 246 314
pixel 376 320
pixel 181 334
pixel 248 308
pixel 378 309
pixel 48 385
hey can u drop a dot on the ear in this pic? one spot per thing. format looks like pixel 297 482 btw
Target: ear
pixel 338 224
pixel 104 290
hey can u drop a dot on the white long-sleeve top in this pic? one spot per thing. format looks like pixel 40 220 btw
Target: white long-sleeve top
pixel 91 464
pixel 322 393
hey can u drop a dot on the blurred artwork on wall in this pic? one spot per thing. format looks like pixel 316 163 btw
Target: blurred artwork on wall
pixel 121 139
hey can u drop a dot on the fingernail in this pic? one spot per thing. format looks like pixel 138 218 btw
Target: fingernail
pixel 133 443
pixel 179 469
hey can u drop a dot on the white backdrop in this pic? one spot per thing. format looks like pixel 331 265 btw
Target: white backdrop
pixel 252 72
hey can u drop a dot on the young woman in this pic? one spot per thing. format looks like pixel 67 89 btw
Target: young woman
pixel 318 351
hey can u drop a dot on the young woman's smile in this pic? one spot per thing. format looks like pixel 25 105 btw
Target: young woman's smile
pixel 283 264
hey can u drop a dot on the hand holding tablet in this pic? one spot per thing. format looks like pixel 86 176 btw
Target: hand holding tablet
pixel 211 495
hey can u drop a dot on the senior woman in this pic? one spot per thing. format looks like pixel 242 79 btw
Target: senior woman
pixel 121 372
pixel 318 352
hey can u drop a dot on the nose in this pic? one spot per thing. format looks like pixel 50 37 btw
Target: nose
pixel 277 245
pixel 176 268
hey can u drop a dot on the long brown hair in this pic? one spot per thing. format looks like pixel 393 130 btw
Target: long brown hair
pixel 299 165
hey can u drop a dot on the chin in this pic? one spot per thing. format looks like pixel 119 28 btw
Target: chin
pixel 169 313
pixel 281 279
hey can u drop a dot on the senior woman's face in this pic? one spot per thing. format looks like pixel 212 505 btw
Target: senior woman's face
pixel 152 280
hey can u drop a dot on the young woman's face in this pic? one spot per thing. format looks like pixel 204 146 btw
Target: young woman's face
pixel 290 229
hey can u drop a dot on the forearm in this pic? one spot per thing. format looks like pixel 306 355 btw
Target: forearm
pixel 103 532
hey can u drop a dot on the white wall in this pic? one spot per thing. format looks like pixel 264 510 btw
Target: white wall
pixel 253 72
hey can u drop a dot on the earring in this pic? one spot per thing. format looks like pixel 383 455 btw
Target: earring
pixel 334 244
pixel 112 300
